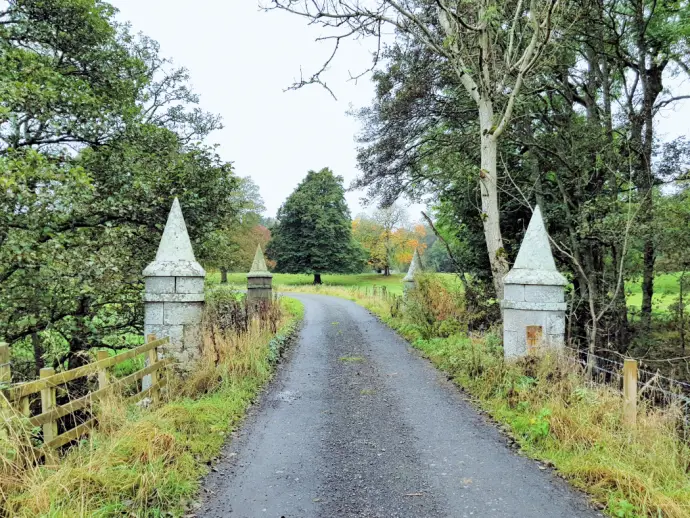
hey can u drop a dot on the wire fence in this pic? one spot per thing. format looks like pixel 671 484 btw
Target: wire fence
pixel 653 387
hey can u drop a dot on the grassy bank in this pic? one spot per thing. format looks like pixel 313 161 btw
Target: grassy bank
pixel 393 283
pixel 148 462
pixel 665 285
pixel 550 409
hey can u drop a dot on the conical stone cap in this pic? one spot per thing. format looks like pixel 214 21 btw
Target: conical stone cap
pixel 534 263
pixel 415 267
pixel 259 268
pixel 175 256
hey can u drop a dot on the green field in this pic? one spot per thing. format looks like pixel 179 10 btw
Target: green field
pixel 393 282
pixel 665 286
pixel 665 292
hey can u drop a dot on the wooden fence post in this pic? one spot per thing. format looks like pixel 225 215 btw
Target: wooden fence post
pixel 102 373
pixel 153 359
pixel 48 402
pixel 5 372
pixel 630 392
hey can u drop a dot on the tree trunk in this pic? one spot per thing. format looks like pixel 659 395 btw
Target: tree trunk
pixel 387 271
pixel 317 278
pixel 38 352
pixel 647 284
pixel 223 275
pixel 620 308
pixel 489 189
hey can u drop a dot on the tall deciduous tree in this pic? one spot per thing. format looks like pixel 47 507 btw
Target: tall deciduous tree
pixel 377 235
pixel 231 247
pixel 489 46
pixel 314 231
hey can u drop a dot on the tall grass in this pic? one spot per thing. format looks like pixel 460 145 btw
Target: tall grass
pixel 364 281
pixel 148 461
pixel 549 407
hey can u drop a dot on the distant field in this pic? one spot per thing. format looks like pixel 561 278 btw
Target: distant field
pixel 393 283
pixel 665 292
pixel 665 286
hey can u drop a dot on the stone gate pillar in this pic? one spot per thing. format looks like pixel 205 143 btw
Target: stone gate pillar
pixel 259 279
pixel 533 300
pixel 410 281
pixel 174 296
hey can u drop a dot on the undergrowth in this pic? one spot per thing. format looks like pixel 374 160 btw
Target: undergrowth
pixel 551 409
pixel 149 462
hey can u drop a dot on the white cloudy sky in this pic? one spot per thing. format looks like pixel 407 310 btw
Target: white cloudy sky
pixel 241 59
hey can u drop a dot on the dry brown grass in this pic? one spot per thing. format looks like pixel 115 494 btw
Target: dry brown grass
pixel 145 461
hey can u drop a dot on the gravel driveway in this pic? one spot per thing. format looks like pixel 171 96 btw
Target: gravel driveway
pixel 357 424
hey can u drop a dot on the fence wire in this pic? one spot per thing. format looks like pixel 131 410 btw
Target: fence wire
pixel 653 388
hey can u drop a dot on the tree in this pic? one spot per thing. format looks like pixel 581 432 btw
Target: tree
pixel 232 245
pixel 407 240
pixel 377 235
pixel 490 46
pixel 313 233
pixel 390 219
pixel 97 137
pixel 388 238
pixel 651 38
pixel 368 233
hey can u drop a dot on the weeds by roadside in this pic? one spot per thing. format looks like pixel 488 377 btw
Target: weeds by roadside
pixel 549 407
pixel 148 462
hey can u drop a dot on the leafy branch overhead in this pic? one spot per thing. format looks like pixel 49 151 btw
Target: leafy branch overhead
pixel 98 133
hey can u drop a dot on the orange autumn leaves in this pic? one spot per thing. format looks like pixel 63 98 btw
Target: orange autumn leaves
pixel 389 248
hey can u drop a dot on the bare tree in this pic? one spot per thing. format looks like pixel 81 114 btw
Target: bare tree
pixel 491 46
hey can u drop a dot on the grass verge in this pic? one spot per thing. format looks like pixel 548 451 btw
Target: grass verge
pixel 551 410
pixel 363 281
pixel 149 462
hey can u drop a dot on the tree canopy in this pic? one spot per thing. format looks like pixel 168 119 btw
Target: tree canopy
pixel 388 238
pixel 313 233
pixel 98 134
pixel 583 143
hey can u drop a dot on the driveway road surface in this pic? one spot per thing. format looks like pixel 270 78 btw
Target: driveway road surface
pixel 357 424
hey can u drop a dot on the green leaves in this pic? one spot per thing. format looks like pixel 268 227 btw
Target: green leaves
pixel 314 231
pixel 89 166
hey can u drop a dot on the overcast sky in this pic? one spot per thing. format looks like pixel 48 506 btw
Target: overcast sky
pixel 241 59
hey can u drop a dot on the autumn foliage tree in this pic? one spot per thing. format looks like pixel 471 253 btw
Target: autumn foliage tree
pixel 231 247
pixel 388 239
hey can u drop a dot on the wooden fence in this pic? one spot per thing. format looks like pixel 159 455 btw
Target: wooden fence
pixel 19 395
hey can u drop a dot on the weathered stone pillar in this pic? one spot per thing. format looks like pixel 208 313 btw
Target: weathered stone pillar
pixel 410 281
pixel 533 301
pixel 174 297
pixel 259 279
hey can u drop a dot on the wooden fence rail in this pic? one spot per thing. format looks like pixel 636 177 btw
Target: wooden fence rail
pixel 19 395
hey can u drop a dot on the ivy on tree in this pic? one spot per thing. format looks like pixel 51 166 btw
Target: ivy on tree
pixel 314 232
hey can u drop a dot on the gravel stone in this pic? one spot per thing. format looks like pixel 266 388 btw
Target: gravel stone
pixel 387 436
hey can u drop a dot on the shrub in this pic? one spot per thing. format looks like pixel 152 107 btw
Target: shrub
pixel 435 309
pixel 148 461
